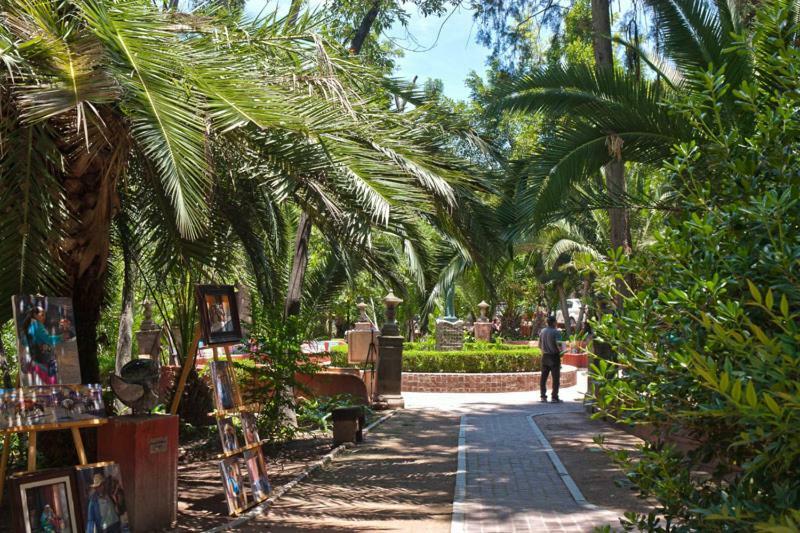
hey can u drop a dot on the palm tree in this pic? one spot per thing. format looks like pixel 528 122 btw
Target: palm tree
pixel 606 116
pixel 103 95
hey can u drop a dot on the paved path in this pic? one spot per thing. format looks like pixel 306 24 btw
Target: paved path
pixel 509 481
pixel 447 463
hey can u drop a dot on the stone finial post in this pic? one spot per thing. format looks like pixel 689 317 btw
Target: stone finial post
pixel 149 335
pixel 362 312
pixel 390 326
pixel 483 328
pixel 390 361
pixel 483 306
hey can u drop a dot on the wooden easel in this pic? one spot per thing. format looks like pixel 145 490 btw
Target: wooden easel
pixel 188 364
pixel 74 426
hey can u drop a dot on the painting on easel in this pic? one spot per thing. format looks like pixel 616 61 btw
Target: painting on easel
pixel 219 315
pixel 46 342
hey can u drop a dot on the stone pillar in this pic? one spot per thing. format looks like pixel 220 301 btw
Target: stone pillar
pixel 390 362
pixel 483 328
pixel 149 335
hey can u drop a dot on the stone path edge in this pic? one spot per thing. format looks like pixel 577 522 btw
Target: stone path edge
pixel 460 492
pixel 283 489
pixel 572 487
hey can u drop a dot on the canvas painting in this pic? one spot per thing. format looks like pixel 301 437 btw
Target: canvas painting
pixel 35 406
pixel 46 342
pixel 227 433
pixel 102 498
pixel 249 428
pixel 226 391
pixel 235 492
pixel 257 473
pixel 219 315
pixel 44 502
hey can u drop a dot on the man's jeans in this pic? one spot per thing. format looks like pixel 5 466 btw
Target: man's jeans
pixel 551 365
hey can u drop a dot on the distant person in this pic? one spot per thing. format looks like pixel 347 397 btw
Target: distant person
pixel 550 344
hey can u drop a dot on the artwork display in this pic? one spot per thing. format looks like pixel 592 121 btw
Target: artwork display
pixel 35 406
pixel 249 428
pixel 257 473
pixel 227 434
pixel 219 315
pixel 44 502
pixel 235 492
pixel 102 498
pixel 226 391
pixel 46 342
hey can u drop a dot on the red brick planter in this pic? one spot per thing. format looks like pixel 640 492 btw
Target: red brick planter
pixel 581 360
pixel 500 382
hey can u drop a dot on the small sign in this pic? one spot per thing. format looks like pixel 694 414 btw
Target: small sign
pixel 158 445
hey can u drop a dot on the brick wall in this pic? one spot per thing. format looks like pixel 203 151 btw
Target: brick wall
pixel 505 382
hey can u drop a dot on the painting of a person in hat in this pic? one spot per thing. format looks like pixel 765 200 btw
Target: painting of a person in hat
pixel 102 514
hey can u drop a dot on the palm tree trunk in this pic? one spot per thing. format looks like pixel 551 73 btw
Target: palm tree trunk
pixel 364 28
pixel 125 337
pixel 299 265
pixel 294 12
pixel 615 169
pixel 587 283
pixel 562 299
pixel 84 255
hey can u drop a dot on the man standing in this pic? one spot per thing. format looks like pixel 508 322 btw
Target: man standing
pixel 550 344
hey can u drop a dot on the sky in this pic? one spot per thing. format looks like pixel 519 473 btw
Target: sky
pixel 450 57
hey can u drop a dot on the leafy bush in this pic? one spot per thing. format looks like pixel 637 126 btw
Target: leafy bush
pixel 475 358
pixel 315 413
pixel 709 348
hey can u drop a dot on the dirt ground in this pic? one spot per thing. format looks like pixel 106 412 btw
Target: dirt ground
pixel 401 479
pixel 600 480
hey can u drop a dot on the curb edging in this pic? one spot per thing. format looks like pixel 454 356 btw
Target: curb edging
pixel 283 489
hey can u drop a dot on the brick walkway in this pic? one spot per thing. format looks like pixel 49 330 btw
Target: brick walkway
pixel 510 482
pixel 448 462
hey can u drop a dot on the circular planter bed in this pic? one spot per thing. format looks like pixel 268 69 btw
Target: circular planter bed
pixel 493 382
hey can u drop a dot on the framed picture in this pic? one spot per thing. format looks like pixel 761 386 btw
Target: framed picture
pixel 249 428
pixel 219 315
pixel 235 491
pixel 227 434
pixel 101 498
pixel 44 502
pixel 226 390
pixel 257 474
pixel 37 406
pixel 46 343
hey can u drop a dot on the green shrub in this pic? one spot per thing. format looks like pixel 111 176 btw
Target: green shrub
pixel 475 358
pixel 709 346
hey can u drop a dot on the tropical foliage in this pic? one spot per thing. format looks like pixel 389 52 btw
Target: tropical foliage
pixel 715 356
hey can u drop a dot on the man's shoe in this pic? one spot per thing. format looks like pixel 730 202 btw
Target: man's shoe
pixel 544 399
pixel 556 400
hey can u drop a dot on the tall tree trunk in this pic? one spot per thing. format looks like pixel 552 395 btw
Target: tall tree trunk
pixel 364 28
pixel 294 12
pixel 299 266
pixel 587 283
pixel 562 300
pixel 615 169
pixel 125 337
pixel 90 183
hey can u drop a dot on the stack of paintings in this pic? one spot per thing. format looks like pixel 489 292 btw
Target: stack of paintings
pixel 86 498
pixel 243 470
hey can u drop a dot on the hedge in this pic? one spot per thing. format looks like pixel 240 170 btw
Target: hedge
pixel 473 359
